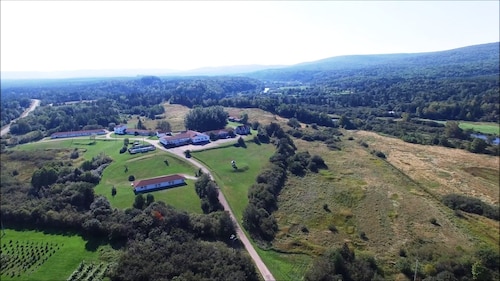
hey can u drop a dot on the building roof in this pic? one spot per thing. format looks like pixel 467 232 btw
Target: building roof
pixel 121 126
pixel 185 135
pixel 79 132
pixel 139 183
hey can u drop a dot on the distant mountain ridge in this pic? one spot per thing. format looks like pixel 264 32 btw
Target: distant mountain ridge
pixel 474 60
pixel 110 73
pixel 483 57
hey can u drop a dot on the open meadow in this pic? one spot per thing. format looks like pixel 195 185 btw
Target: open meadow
pixel 383 207
pixel 32 255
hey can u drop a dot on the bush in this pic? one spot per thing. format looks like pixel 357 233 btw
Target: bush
pixel 74 154
pixel 378 153
pixel 471 205
pixel 333 228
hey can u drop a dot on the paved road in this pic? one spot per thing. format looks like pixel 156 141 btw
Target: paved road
pixel 179 151
pixel 34 104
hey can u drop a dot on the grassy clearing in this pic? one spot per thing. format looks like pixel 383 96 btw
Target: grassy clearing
pixel 235 183
pixel 151 164
pixel 481 127
pixel 143 165
pixel 58 255
pixel 285 266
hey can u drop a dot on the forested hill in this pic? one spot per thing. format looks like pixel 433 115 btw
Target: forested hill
pixel 477 60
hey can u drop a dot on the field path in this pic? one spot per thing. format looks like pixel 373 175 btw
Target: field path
pixel 34 104
pixel 264 271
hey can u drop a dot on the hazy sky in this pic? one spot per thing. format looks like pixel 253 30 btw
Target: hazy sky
pixel 76 35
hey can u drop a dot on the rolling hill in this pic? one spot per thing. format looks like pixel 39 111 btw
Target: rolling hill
pixel 477 60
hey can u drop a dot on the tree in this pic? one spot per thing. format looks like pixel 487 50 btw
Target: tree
pixel 477 145
pixel 139 202
pixel 126 141
pixel 113 191
pixel 163 126
pixel 293 122
pixel 241 142
pixel 206 119
pixel 140 126
pixel 149 199
pixel 452 130
pixel 244 118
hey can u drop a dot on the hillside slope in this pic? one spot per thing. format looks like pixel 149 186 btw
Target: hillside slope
pixel 477 60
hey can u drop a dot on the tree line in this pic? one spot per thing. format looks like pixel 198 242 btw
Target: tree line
pixel 59 197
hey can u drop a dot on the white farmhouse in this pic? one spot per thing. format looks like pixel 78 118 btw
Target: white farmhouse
pixel 120 129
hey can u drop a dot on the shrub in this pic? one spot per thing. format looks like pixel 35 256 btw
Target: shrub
pixel 326 208
pixel 332 228
pixel 378 153
pixel 74 154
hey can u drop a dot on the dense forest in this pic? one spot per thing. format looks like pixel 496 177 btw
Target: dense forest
pixel 461 84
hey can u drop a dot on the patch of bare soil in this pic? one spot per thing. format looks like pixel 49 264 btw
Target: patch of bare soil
pixel 440 170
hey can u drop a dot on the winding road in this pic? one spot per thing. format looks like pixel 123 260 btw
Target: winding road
pixel 179 151
pixel 34 104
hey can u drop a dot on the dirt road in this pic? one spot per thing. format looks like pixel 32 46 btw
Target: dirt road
pixel 179 151
pixel 34 104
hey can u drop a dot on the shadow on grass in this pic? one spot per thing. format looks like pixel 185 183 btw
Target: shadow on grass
pixel 240 170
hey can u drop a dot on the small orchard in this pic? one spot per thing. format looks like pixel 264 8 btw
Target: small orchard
pixel 89 271
pixel 20 258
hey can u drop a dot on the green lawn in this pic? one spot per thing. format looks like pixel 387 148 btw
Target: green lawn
pixel 481 127
pixel 56 256
pixel 142 165
pixel 235 183
pixel 285 266
pixel 147 165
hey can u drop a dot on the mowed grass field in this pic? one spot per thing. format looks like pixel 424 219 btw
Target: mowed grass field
pixel 235 183
pixel 481 127
pixel 57 256
pixel 142 165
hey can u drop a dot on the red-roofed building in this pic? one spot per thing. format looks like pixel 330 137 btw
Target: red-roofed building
pixel 184 138
pixel 151 184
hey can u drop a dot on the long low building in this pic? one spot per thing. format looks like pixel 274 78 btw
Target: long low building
pixel 187 137
pixel 157 183
pixel 78 133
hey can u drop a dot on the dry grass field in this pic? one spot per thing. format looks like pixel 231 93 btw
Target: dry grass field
pixel 385 206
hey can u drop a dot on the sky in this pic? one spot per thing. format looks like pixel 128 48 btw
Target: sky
pixel 183 35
